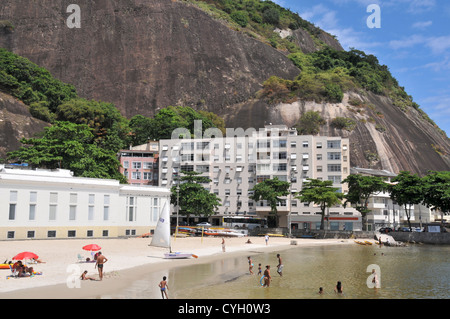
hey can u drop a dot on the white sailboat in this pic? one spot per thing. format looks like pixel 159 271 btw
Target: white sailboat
pixel 161 237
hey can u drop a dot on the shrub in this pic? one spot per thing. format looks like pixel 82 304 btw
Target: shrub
pixel 344 123
pixel 240 17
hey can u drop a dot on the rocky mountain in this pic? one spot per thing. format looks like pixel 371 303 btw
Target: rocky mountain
pixel 145 55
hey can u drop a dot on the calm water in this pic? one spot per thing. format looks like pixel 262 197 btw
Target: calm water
pixel 417 271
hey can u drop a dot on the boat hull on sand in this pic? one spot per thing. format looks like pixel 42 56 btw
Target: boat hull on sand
pixel 179 255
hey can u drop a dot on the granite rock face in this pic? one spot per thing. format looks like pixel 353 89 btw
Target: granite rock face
pixel 145 55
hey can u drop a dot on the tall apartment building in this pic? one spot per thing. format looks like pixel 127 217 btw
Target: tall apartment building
pixel 236 163
pixel 139 164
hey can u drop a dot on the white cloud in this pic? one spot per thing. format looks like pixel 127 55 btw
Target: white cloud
pixel 407 42
pixel 439 44
pixel 422 24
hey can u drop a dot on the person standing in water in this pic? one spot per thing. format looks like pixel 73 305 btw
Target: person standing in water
pixel 280 266
pixel 267 277
pixel 250 265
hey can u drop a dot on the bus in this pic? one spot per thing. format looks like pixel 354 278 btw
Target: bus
pixel 246 222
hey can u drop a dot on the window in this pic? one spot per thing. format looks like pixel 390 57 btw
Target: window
pixel 147 176
pixel 334 155
pixel 72 212
pixel 262 178
pixel 137 165
pixel 293 144
pixel 52 212
pixel 187 168
pixel 282 167
pixel 30 234
pixel 12 205
pixel 187 157
pixel 91 213
pixel 32 212
pixel 203 145
pixel 148 165
pixel 335 178
pixel 136 175
pixel 319 157
pixel 131 208
pixel 319 145
pixel 319 168
pixel 334 144
pixel 334 167
pixel 33 197
pixel 305 144
pixel 12 211
pixel 90 233
pixel 106 203
pixel 71 233
pixel 126 164
pixel 51 234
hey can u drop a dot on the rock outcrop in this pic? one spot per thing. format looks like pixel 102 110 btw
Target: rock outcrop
pixel 145 55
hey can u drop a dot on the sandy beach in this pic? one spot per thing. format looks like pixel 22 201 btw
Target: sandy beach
pixel 128 259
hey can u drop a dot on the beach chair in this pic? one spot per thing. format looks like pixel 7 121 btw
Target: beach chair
pixel 80 258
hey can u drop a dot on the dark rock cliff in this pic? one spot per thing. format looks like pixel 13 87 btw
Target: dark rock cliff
pixel 16 123
pixel 144 55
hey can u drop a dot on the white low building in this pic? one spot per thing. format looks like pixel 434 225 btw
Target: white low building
pixel 46 204
pixel 384 212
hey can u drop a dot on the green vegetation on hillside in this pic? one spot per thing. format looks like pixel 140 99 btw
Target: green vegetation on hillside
pixel 85 136
pixel 31 83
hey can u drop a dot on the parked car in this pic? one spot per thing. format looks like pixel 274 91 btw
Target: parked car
pixel 385 230
pixel 405 229
pixel 204 224
pixel 417 229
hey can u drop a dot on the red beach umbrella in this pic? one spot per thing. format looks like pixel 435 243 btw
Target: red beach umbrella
pixel 25 255
pixel 92 247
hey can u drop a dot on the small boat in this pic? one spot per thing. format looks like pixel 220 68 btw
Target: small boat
pixel 368 242
pixel 161 236
pixel 4 266
pixel 179 255
pixel 360 242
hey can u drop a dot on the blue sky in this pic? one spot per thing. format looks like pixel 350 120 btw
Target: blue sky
pixel 413 41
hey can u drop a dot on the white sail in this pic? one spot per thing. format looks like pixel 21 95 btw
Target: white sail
pixel 161 237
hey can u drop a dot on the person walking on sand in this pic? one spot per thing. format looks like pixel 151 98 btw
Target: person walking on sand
pixel 259 269
pixel 338 288
pixel 250 265
pixel 266 239
pixel 280 266
pixel 267 277
pixel 101 260
pixel 223 244
pixel 164 287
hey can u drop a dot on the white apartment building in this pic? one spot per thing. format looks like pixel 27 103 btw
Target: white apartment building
pixel 236 163
pixel 47 204
pixel 386 213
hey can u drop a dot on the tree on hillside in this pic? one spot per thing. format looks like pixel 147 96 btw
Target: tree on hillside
pixel 407 190
pixel 109 127
pixel 436 191
pixel 191 196
pixel 360 188
pixel 309 123
pixel 69 146
pixel 173 117
pixel 271 190
pixel 322 193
